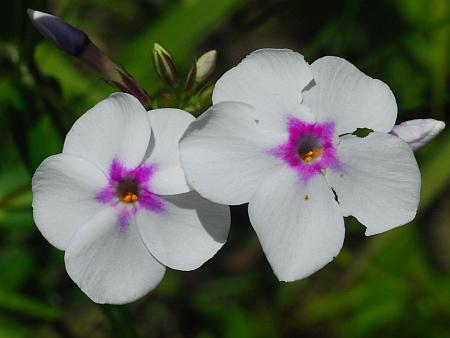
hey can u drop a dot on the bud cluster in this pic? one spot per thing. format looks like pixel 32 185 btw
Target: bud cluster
pixel 198 74
pixel 194 95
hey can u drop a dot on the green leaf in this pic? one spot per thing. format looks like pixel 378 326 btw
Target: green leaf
pixel 27 307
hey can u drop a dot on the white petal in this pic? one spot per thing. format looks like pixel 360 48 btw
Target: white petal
pixel 188 233
pixel 379 183
pixel 168 125
pixel 271 80
pixel 111 265
pixel 418 133
pixel 64 187
pixel 115 127
pixel 350 98
pixel 300 227
pixel 225 152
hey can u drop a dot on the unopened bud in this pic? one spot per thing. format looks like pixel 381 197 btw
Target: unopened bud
pixel 65 36
pixel 190 79
pixel 164 65
pixel 205 66
pixel 206 95
pixel 419 132
pixel 75 42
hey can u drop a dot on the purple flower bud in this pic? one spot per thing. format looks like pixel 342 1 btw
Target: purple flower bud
pixel 417 133
pixel 66 37
pixel 76 43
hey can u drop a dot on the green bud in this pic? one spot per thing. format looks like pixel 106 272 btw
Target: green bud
pixel 191 109
pixel 190 79
pixel 164 65
pixel 205 66
pixel 205 96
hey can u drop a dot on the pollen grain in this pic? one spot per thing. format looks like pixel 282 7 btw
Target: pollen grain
pixel 311 155
pixel 129 197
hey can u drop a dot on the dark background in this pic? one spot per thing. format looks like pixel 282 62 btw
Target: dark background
pixel 395 284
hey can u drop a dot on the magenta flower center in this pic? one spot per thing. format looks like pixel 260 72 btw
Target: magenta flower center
pixel 129 190
pixel 309 147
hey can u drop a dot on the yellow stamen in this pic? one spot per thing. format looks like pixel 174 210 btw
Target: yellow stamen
pixel 306 197
pixel 129 197
pixel 311 155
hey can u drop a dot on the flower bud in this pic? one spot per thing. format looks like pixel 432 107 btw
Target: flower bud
pixel 205 66
pixel 75 42
pixel 206 95
pixel 190 79
pixel 66 37
pixel 164 65
pixel 419 132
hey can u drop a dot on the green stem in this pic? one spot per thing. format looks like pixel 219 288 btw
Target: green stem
pixel 120 320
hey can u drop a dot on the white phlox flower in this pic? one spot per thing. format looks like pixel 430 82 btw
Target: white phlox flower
pixel 279 136
pixel 116 200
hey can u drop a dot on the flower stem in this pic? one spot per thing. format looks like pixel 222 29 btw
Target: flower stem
pixel 120 320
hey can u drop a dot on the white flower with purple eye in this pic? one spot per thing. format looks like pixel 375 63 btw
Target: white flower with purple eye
pixel 279 136
pixel 116 200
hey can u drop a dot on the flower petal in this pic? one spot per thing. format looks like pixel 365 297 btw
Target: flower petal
pixel 379 183
pixel 64 188
pixel 188 233
pixel 111 264
pixel 117 127
pixel 300 227
pixel 418 133
pixel 350 98
pixel 168 125
pixel 271 80
pixel 225 152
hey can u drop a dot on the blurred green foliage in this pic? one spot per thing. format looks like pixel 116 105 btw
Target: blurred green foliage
pixel 395 284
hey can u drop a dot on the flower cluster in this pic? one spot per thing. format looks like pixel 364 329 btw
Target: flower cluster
pixel 280 136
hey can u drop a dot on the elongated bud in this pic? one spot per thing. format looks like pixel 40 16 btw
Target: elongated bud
pixel 205 66
pixel 75 42
pixel 190 79
pixel 65 36
pixel 206 95
pixel 419 132
pixel 164 65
